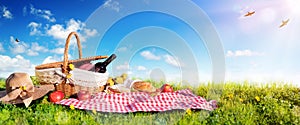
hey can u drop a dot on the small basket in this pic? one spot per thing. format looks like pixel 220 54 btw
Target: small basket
pixel 68 80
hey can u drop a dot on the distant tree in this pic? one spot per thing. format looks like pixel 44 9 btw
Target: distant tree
pixel 2 83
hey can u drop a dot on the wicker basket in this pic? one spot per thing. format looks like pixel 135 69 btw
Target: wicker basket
pixel 69 80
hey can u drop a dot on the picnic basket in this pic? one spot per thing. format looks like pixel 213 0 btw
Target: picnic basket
pixel 68 79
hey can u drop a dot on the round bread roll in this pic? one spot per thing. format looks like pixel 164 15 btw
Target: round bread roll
pixel 143 86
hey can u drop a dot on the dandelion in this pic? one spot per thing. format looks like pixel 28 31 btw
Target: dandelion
pixel 230 96
pixel 188 111
pixel 257 98
pixel 241 100
pixel 71 66
pixel 72 106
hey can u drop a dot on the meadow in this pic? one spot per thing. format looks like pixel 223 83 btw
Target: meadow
pixel 238 103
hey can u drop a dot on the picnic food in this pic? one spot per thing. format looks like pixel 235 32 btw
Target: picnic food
pixel 167 88
pixel 56 96
pixel 84 95
pixel 118 80
pixel 101 88
pixel 112 90
pixel 124 76
pixel 143 86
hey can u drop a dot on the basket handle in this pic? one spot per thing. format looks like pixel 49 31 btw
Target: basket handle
pixel 65 62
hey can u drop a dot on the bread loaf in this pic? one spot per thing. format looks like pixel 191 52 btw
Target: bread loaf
pixel 143 86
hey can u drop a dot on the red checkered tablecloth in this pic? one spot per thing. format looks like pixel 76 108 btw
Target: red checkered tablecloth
pixel 140 101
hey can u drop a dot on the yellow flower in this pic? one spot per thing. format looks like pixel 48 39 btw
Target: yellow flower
pixel 94 111
pixel 230 96
pixel 241 100
pixel 257 98
pixel 69 76
pixel 72 107
pixel 110 81
pixel 71 66
pixel 188 111
pixel 23 88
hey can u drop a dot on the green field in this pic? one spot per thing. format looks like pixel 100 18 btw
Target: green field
pixel 238 103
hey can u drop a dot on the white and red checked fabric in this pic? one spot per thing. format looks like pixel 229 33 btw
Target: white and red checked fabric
pixel 140 101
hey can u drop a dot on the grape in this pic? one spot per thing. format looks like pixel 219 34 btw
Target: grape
pixel 119 80
pixel 124 76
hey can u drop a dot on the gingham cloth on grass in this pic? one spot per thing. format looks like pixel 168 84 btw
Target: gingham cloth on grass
pixel 140 101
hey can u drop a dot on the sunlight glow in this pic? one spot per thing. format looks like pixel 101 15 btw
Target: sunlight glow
pixel 293 5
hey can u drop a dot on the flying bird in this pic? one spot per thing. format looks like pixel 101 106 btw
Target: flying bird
pixel 17 40
pixel 249 14
pixel 284 23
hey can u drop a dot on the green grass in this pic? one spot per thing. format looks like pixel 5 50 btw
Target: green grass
pixel 238 103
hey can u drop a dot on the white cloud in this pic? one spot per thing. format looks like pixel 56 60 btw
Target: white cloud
pixel 6 13
pixel 58 50
pixel 90 32
pixel 36 47
pixel 17 47
pixel 60 32
pixel 21 47
pixel 33 50
pixel 55 58
pixel 172 60
pixel 238 53
pixel 9 65
pixel 50 59
pixel 114 5
pixel 32 53
pixel 141 68
pixel 34 28
pixel 124 66
pixel 150 56
pixel 46 14
pixel 1 48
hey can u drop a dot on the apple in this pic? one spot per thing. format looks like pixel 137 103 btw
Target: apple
pixel 56 96
pixel 167 88
pixel 83 95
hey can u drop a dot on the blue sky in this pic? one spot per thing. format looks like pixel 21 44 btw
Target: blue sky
pixel 155 44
